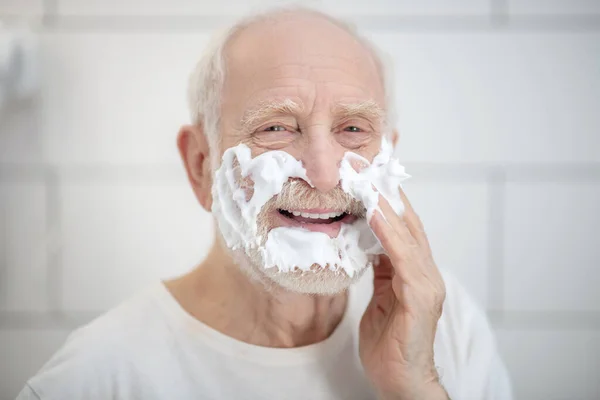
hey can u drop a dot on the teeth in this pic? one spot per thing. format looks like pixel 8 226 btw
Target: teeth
pixel 316 216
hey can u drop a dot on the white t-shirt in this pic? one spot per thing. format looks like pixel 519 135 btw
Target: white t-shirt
pixel 150 348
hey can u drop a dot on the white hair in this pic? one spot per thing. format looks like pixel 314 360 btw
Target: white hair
pixel 208 77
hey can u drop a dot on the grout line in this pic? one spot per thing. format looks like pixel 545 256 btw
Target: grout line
pixel 49 14
pixel 430 172
pixel 53 242
pixel 499 13
pixel 3 255
pixel 39 320
pixel 497 20
pixel 545 320
pixel 495 250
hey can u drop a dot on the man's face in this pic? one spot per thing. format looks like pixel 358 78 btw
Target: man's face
pixel 304 86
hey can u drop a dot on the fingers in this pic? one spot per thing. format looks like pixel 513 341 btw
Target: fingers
pixel 382 275
pixel 397 223
pixel 403 239
pixel 384 268
pixel 385 232
pixel 409 225
pixel 413 223
pixel 409 268
pixel 401 251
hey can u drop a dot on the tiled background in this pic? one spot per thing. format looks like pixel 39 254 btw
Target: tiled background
pixel 499 104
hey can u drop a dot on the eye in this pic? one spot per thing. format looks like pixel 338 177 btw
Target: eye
pixel 275 128
pixel 352 129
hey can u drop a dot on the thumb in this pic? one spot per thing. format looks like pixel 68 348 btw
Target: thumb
pixel 383 273
pixel 385 278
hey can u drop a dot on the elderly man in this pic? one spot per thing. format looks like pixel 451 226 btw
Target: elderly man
pixel 321 284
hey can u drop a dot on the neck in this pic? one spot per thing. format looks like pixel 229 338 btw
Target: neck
pixel 220 295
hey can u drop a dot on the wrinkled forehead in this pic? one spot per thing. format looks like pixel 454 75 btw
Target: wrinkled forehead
pixel 305 58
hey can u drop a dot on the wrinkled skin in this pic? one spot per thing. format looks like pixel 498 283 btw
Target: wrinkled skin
pixel 398 328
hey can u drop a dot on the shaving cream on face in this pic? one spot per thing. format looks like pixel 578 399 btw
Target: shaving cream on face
pixel 292 248
pixel 235 214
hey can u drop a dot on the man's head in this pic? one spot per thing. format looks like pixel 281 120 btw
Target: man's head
pixel 303 83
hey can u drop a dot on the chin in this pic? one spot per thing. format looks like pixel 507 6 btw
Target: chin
pixel 318 281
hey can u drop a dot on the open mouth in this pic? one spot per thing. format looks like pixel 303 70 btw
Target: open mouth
pixel 326 221
pixel 313 217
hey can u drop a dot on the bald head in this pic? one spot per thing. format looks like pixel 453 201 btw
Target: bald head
pixel 292 33
pixel 304 51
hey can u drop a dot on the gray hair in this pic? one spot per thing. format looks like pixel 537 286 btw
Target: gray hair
pixel 207 79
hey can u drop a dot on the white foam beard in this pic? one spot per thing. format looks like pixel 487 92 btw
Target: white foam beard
pixel 291 248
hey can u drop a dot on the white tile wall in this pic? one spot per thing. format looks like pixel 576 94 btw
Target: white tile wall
pixel 545 7
pixel 459 211
pixel 23 251
pixel 497 97
pixel 552 365
pixel 20 135
pixel 120 236
pixel 541 112
pixel 469 96
pixel 22 354
pixel 409 7
pixel 552 246
pixel 117 98
pixel 199 7
pixel 156 7
pixel 21 7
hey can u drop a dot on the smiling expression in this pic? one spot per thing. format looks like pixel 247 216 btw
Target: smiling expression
pixel 301 84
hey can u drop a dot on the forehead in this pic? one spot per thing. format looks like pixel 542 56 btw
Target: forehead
pixel 303 57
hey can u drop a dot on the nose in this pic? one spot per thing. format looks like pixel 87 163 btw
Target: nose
pixel 321 159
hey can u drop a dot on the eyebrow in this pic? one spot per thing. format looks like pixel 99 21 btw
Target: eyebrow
pixel 368 109
pixel 270 108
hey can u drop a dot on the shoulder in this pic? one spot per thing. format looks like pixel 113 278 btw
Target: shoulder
pixel 461 312
pixel 463 323
pixel 99 355
pixel 467 345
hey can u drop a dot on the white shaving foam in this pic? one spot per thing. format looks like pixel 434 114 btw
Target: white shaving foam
pixel 288 248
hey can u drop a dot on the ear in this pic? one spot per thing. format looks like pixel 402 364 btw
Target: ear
pixel 395 137
pixel 194 151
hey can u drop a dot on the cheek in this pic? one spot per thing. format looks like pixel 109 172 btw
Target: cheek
pixel 294 148
pixel 247 185
pixel 274 140
pixel 353 140
pixel 368 150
